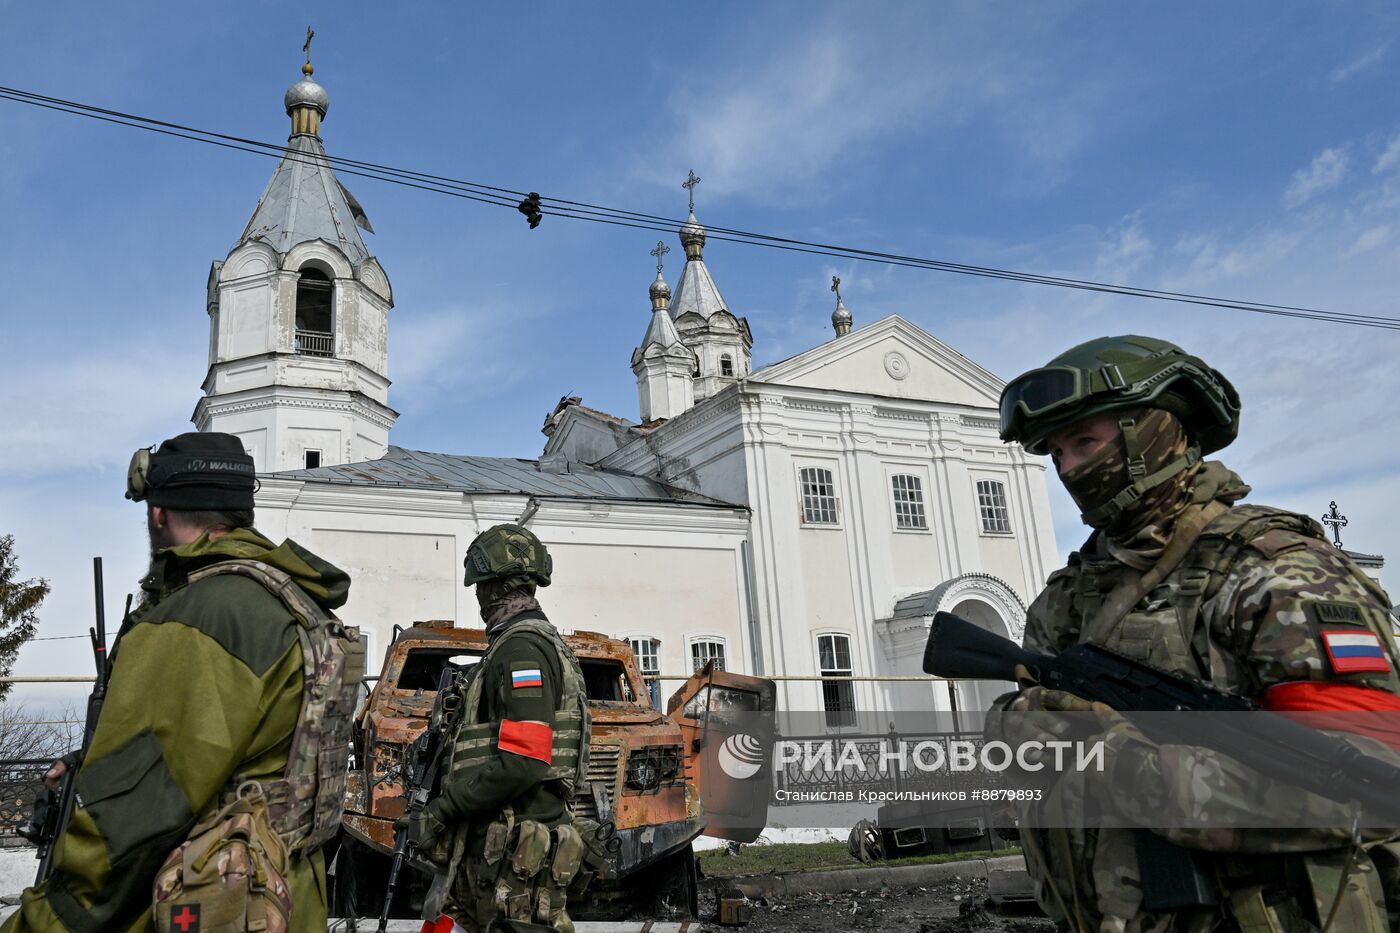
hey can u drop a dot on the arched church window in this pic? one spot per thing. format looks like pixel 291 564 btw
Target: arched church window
pixel 726 365
pixel 315 331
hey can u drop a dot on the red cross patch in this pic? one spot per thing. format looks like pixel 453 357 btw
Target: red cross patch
pixel 185 918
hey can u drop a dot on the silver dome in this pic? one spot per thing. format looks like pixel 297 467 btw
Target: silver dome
pixel 307 93
pixel 659 288
pixel 692 231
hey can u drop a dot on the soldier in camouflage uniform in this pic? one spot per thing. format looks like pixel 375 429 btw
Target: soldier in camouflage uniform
pixel 1249 598
pixel 502 822
pixel 206 688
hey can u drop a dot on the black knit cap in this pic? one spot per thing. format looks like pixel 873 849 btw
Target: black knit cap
pixel 201 471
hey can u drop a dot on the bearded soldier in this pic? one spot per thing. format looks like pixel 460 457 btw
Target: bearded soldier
pixel 1249 598
pixel 502 821
pixel 232 687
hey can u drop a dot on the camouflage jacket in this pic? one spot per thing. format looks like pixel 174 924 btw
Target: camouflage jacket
pixel 206 683
pixel 1243 611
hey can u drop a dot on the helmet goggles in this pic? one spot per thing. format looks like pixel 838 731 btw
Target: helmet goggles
pixel 1053 396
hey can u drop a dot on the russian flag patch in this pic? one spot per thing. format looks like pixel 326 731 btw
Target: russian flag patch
pixel 530 677
pixel 1354 652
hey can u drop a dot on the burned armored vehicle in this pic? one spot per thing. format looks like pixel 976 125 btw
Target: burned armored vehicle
pixel 644 770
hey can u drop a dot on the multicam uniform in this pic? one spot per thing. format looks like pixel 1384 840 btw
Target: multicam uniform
pixel 1248 598
pixel 206 686
pixel 1248 609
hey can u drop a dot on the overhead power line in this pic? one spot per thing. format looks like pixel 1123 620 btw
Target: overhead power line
pixel 564 208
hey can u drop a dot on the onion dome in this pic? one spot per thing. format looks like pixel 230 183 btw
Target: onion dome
pixel 692 237
pixel 306 103
pixel 840 318
pixel 660 292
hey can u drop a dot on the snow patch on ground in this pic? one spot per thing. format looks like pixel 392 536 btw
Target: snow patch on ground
pixel 775 835
pixel 17 867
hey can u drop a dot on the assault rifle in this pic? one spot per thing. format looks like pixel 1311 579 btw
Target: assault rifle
pixel 421 762
pixel 54 808
pixel 1271 744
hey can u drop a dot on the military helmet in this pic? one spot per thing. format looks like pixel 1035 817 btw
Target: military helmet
pixel 507 551
pixel 1114 373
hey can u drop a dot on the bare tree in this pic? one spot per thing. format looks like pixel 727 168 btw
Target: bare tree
pixel 30 739
pixel 19 608
pixel 27 733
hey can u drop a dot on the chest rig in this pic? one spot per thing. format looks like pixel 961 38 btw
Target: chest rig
pixel 305 805
pixel 473 743
pixel 1165 627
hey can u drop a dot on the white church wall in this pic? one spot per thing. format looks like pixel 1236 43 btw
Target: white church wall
pixel 673 594
pixel 671 572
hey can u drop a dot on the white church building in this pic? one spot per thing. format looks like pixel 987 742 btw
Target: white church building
pixel 803 519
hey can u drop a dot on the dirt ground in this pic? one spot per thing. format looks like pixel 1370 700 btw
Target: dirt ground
pixel 954 906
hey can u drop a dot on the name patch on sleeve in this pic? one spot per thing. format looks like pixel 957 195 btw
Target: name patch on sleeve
pixel 1353 652
pixel 528 677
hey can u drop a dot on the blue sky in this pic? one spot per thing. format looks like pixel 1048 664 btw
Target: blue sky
pixel 1247 150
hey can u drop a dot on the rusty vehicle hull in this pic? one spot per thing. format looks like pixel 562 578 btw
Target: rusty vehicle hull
pixel 639 772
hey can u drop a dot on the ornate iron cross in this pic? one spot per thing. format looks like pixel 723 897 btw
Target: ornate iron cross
pixel 310 34
pixel 689 184
pixel 661 250
pixel 1335 520
pixel 836 287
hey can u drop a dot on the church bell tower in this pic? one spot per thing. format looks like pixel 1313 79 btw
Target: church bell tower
pixel 298 316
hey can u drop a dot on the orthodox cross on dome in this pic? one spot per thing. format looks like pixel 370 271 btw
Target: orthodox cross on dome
pixel 1335 521
pixel 310 34
pixel 836 287
pixel 661 250
pixel 691 180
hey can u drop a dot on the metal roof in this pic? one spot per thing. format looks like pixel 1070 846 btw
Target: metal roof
pixel 696 292
pixel 304 201
pixel 417 469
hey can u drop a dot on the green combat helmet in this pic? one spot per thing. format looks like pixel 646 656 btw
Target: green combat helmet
pixel 507 551
pixel 1116 373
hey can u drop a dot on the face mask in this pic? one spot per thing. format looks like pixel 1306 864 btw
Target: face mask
pixel 1161 441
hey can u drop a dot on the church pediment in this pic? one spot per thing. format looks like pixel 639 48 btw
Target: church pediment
pixel 891 357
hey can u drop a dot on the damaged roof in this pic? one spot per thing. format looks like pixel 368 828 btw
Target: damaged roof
pixel 304 201
pixel 417 469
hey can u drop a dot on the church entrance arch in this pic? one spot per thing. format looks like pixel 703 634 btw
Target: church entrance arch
pixel 976 696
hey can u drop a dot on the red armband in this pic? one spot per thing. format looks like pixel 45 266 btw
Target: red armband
pixel 530 739
pixel 1339 707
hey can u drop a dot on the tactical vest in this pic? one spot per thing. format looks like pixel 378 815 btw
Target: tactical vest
pixel 305 805
pixel 1166 629
pixel 473 744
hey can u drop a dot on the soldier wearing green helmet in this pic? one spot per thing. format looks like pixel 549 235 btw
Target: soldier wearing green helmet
pixel 1248 598
pixel 501 827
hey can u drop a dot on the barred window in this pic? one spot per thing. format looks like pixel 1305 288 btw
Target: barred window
pixel 645 650
pixel 726 365
pixel 991 504
pixel 838 696
pixel 818 496
pixel 908 502
pixel 702 652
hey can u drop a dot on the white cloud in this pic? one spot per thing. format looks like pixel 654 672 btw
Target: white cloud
pixel 456 349
pixel 1370 239
pixel 1326 172
pixel 1390 158
pixel 1363 62
pixel 841 84
pixel 83 413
